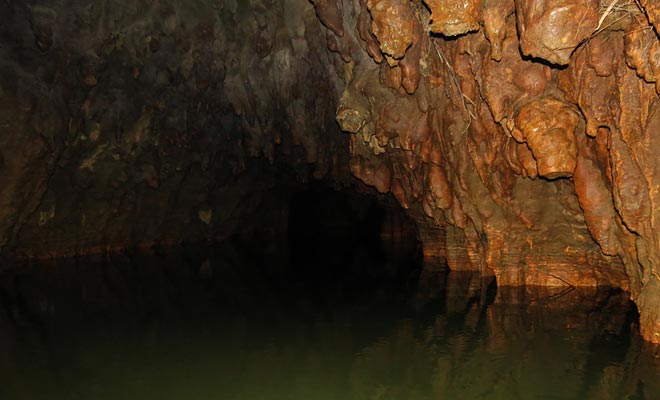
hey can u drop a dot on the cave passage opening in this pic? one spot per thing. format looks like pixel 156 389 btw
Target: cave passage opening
pixel 344 236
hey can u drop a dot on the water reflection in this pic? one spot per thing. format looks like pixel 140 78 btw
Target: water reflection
pixel 226 323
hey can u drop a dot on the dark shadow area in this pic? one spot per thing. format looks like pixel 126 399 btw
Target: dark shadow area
pixel 345 237
pixel 327 300
pixel 210 322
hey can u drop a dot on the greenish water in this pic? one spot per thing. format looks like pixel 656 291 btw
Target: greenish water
pixel 235 323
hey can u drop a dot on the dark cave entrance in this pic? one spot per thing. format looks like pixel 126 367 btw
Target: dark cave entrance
pixel 344 236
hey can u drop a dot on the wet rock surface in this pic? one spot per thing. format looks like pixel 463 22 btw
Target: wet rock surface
pixel 525 129
pixel 529 135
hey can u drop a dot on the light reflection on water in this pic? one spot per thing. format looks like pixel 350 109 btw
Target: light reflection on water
pixel 235 327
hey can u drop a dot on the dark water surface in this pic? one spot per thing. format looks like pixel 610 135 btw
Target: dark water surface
pixel 235 322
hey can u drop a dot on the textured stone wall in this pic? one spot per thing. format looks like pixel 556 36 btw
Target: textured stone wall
pixel 526 127
pixel 142 122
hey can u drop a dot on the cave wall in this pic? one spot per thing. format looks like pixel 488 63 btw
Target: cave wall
pixel 527 128
pixel 138 122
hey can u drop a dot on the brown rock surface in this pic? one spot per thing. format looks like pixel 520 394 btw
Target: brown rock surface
pixel 392 26
pixel 141 123
pixel 500 115
pixel 454 17
pixel 552 29
pixel 547 126
pixel 529 145
pixel 496 13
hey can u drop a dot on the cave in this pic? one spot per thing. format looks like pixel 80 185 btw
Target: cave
pixel 341 199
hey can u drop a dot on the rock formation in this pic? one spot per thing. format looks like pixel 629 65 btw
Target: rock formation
pixel 125 123
pixel 524 128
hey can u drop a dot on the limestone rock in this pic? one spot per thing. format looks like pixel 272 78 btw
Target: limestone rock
pixel 454 17
pixel 552 29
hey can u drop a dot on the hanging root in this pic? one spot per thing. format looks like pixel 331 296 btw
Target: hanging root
pixel 614 11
